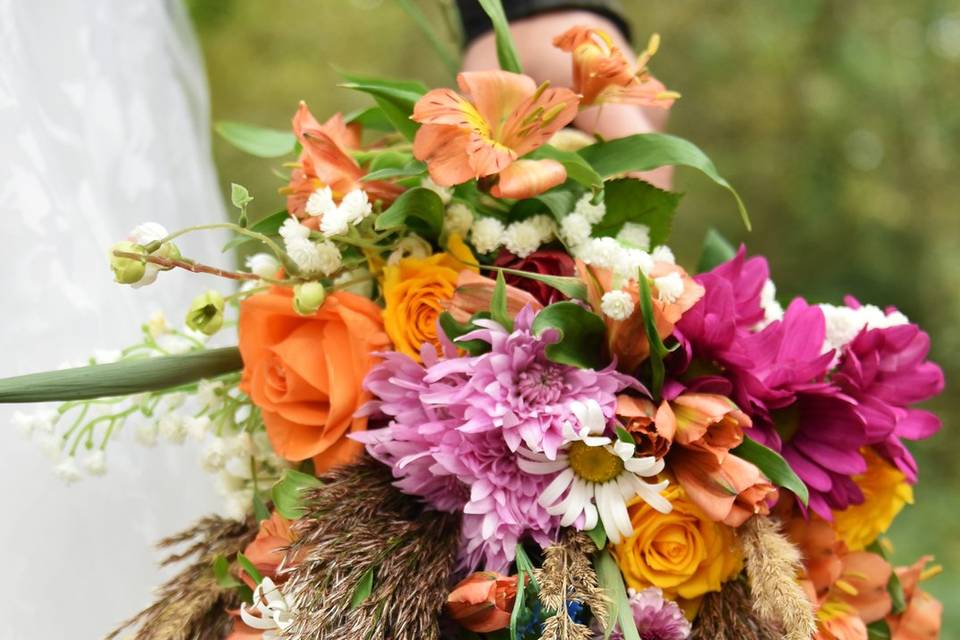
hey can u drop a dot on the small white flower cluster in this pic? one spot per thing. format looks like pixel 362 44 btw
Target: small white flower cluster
pixel 263 265
pixel 445 193
pixel 311 257
pixel 844 323
pixel 337 219
pixel 772 309
pixel 411 246
pixel 617 304
pixel 458 219
pixel 520 238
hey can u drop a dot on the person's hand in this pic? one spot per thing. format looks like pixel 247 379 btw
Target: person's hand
pixel 544 62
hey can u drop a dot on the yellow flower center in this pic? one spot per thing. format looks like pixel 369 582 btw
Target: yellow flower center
pixel 594 464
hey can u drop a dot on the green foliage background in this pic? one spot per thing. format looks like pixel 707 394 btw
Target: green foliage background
pixel 838 122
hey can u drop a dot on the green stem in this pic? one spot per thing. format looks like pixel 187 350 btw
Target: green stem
pixel 450 60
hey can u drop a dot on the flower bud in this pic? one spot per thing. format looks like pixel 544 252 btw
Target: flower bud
pixel 483 601
pixel 206 313
pixel 169 251
pixel 127 270
pixel 308 297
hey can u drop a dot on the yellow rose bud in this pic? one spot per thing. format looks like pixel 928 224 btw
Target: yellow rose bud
pixel 206 313
pixel 308 297
pixel 684 553
pixel 127 270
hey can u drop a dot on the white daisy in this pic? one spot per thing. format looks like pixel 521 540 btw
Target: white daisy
pixel 596 477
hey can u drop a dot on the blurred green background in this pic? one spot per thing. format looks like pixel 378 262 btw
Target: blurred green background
pixel 838 121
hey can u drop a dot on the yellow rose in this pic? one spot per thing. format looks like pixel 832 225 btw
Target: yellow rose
pixel 684 553
pixel 885 492
pixel 415 291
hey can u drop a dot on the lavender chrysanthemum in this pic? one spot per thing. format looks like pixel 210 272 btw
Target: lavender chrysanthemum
pixel 656 618
pixel 457 422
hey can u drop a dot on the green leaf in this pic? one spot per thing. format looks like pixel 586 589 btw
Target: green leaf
pixel 525 570
pixel 370 118
pixel 286 493
pixel 498 304
pixel 268 226
pixel 646 151
pixel 898 599
pixel 506 51
pixel 364 588
pixel 454 330
pixel 657 349
pixel 239 195
pixel 394 98
pixel 624 436
pixel 631 200
pixel 419 208
pixel 716 250
pixel 558 201
pixel 879 630
pixel 221 572
pixel 578 169
pixel 449 58
pixel 599 535
pixel 260 510
pixel 409 170
pixel 567 285
pixel 582 335
pixel 608 574
pixel 120 378
pixel 773 466
pixel 258 141
pixel 251 570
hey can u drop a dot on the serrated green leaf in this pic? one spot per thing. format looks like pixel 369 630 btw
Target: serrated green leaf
pixel 773 466
pixel 582 335
pixel 364 588
pixel 286 493
pixel 599 536
pixel 646 151
pixel 418 208
pixel 578 169
pixel 120 378
pixel 716 250
pixel 251 570
pixel 630 200
pixel 608 574
pixel 255 140
pixel 268 226
pixel 506 51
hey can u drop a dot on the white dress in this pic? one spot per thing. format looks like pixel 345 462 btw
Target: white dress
pixel 103 125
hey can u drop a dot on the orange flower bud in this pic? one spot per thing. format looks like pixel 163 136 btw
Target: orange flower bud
pixel 483 601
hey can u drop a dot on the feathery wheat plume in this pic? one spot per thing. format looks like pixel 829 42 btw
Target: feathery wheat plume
pixel 567 575
pixel 772 563
pixel 728 615
pixel 358 522
pixel 191 605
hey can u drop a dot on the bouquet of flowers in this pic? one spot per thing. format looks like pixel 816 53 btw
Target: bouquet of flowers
pixel 475 396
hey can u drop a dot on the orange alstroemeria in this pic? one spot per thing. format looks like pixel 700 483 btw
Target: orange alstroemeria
pixel 474 293
pixel 627 339
pixel 601 73
pixel 505 117
pixel 921 620
pixel 326 162
pixel 483 601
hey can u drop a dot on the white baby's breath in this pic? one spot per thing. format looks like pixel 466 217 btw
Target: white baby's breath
pixel 594 213
pixel 457 219
pixel 669 287
pixel 574 229
pixel 320 202
pixel 617 304
pixel 146 434
pixel 486 234
pixel 96 463
pixel 291 229
pixel 635 235
pixel 263 265
pixel 445 193
pixel 522 238
pixel 663 253
pixel 67 470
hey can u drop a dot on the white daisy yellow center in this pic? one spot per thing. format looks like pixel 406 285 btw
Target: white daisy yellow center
pixel 594 464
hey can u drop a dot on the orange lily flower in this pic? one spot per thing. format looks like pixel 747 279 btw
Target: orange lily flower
pixel 483 601
pixel 326 162
pixel 474 293
pixel 627 339
pixel 506 116
pixel 601 72
pixel 921 620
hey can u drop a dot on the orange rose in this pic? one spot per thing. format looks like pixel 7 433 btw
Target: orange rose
pixel 483 601
pixel 268 548
pixel 306 372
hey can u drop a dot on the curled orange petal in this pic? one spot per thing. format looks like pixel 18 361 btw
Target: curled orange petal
pixel 527 178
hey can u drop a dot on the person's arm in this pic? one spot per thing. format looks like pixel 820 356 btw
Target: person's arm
pixel 544 62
